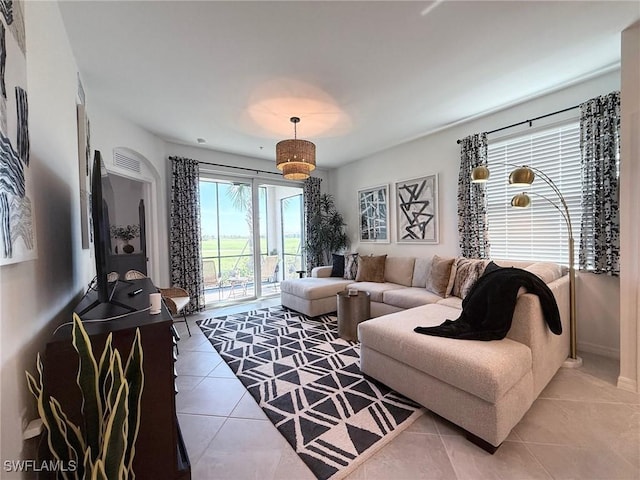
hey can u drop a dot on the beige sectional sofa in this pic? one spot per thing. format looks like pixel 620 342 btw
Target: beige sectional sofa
pixel 485 387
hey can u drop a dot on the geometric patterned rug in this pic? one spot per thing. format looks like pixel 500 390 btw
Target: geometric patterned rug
pixel 308 382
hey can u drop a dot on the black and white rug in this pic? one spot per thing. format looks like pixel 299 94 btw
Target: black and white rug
pixel 308 382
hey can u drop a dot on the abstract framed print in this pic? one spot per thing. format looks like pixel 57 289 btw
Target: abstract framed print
pixel 373 213
pixel 417 210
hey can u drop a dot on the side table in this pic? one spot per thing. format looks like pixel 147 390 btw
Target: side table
pixel 352 309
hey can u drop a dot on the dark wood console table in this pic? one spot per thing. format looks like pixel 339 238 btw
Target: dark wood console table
pixel 160 450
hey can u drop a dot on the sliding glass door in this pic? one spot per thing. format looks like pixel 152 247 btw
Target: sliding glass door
pixel 226 218
pixel 292 233
pixel 251 237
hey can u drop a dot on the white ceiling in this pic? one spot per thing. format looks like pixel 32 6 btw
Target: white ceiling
pixel 362 75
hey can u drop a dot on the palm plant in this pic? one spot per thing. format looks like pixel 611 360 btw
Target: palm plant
pixel 325 233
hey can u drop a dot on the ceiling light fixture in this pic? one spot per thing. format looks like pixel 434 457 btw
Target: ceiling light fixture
pixel 295 158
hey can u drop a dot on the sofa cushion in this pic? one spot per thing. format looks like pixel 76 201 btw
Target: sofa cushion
pixel 376 290
pixel 371 268
pixel 485 369
pixel 399 270
pixel 350 266
pixel 546 271
pixel 312 288
pixel 337 265
pixel 454 302
pixel 421 271
pixel 440 279
pixel 467 271
pixel 409 297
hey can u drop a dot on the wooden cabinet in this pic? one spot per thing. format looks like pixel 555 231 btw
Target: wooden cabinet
pixel 160 450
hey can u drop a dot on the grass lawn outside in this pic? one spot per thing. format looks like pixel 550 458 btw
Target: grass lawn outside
pixel 235 255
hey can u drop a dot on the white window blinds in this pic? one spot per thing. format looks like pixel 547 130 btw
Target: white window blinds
pixel 538 232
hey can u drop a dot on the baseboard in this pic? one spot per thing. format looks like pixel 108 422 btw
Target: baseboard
pixel 599 350
pixel 627 384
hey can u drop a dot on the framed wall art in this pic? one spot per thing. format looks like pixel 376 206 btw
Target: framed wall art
pixel 373 212
pixel 417 210
pixel 84 150
pixel 17 212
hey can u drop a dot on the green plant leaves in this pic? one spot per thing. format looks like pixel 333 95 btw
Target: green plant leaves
pixel 111 396
pixel 326 233
pixel 87 379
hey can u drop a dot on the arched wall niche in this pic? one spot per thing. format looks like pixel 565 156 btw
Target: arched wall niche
pixel 133 166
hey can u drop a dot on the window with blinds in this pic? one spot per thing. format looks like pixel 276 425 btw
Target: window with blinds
pixel 538 232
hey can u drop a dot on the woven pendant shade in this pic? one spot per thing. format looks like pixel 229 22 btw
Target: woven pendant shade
pixel 295 171
pixel 295 158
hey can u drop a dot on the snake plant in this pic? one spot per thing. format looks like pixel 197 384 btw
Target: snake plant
pixel 104 446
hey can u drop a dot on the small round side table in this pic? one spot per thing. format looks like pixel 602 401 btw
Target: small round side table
pixel 352 309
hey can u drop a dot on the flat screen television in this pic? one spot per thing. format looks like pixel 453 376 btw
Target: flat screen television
pixel 102 199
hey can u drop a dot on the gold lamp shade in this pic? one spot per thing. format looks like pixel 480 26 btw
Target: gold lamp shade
pixel 480 174
pixel 295 158
pixel 521 177
pixel 521 200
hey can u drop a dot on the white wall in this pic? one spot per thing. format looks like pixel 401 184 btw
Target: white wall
pixel 629 213
pixel 110 131
pixel 38 295
pixel 127 196
pixel 598 317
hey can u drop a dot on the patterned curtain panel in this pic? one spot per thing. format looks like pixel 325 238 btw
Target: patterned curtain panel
pixel 184 247
pixel 600 151
pixel 311 195
pixel 472 204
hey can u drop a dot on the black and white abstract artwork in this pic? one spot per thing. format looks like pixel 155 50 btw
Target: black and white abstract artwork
pixel 17 225
pixel 417 205
pixel 373 208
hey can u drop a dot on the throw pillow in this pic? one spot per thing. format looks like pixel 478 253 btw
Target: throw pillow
pixel 439 278
pixel 468 271
pixel 350 266
pixel 371 269
pixel 337 265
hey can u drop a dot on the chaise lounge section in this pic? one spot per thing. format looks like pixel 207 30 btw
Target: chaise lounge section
pixel 485 387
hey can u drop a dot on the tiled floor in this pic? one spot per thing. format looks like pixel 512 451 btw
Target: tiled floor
pixel 581 427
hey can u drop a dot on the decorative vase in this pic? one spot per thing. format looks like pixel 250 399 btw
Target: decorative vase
pixel 127 247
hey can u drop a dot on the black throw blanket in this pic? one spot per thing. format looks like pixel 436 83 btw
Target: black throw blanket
pixel 487 310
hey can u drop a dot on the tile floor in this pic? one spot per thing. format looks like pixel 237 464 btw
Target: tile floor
pixel 581 427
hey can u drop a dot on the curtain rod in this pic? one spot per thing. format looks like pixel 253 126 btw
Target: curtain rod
pixel 257 170
pixel 529 121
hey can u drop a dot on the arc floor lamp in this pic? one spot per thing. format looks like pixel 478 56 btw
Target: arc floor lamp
pixel 523 177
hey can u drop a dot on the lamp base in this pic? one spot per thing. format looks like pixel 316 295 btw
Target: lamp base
pixel 572 362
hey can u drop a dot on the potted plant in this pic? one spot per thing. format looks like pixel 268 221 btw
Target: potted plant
pixel 125 234
pixel 326 234
pixel 102 447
